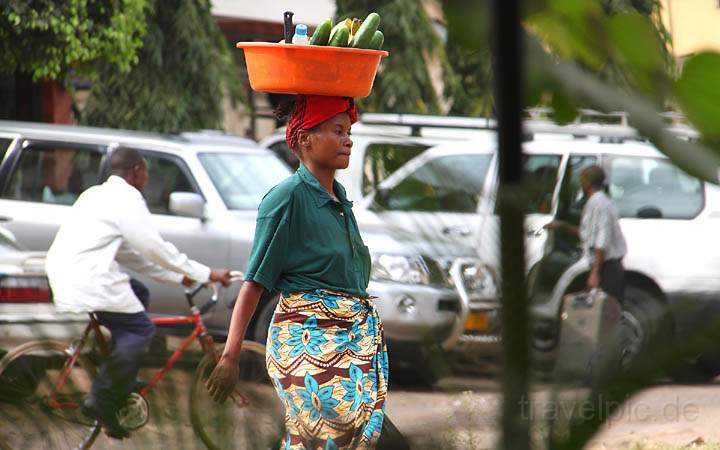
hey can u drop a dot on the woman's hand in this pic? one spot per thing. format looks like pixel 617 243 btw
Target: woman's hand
pixel 221 382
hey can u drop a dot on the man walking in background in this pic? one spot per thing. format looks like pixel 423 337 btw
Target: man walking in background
pixel 602 239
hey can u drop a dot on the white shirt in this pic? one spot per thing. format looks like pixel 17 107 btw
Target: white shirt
pixel 110 225
pixel 600 228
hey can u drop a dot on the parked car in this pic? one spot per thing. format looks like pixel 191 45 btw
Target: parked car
pixel 382 143
pixel 446 194
pixel 668 218
pixel 204 197
pixel 666 215
pixel 203 193
pixel 26 308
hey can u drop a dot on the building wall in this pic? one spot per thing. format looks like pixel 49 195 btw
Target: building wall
pixel 309 12
pixel 693 24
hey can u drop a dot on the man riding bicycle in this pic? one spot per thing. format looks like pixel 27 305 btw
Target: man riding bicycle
pixel 110 225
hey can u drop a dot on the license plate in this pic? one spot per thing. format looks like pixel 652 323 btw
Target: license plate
pixel 477 321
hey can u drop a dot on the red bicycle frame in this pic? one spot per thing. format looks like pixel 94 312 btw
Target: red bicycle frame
pixel 206 342
pixel 199 332
pixel 52 400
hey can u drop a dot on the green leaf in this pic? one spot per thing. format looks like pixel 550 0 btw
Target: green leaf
pixel 698 94
pixel 574 29
pixel 564 107
pixel 638 47
pixel 468 22
pixel 576 9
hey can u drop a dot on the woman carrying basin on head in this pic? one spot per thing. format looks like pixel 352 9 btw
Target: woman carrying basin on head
pixel 325 351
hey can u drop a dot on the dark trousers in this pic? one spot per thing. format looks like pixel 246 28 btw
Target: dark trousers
pixel 131 336
pixel 612 279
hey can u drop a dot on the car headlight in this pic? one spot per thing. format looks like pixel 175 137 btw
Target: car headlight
pixel 400 269
pixel 479 280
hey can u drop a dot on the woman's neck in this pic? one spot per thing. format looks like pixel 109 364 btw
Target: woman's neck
pixel 324 176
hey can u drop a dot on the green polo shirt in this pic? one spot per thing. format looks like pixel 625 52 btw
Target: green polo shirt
pixel 305 240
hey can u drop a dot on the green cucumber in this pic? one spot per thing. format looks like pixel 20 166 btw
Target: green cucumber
pixel 377 41
pixel 367 31
pixel 340 38
pixel 341 24
pixel 321 36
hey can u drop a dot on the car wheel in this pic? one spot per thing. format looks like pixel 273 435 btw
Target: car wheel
pixel 697 371
pixel 417 367
pixel 644 321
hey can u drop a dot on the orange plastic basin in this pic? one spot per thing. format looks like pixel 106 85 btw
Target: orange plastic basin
pixel 311 69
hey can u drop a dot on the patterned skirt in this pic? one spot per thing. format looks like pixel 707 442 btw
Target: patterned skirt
pixel 327 357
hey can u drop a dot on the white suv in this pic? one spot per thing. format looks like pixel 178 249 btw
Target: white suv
pixel 667 216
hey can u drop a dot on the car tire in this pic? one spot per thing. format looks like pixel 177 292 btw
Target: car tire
pixel 698 371
pixel 417 367
pixel 645 322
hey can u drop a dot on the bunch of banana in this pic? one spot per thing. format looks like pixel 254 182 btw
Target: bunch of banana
pixel 353 33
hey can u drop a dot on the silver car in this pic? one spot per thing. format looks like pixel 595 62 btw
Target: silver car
pixel 203 194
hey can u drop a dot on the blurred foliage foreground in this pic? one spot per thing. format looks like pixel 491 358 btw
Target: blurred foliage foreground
pixel 608 56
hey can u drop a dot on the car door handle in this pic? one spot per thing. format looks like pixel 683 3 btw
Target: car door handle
pixel 457 231
pixel 535 232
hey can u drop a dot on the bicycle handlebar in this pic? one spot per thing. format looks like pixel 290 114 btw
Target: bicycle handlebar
pixel 214 285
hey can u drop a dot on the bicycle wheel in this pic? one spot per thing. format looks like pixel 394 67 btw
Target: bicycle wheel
pixel 251 418
pixel 38 413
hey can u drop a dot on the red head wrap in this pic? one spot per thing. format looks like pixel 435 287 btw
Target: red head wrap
pixel 312 110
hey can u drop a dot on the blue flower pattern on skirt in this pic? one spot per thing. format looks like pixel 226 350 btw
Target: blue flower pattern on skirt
pixel 348 338
pixel 318 401
pixel 286 397
pixel 327 298
pixel 330 444
pixel 374 424
pixel 276 343
pixel 328 366
pixel 306 338
pixel 356 392
pixel 385 365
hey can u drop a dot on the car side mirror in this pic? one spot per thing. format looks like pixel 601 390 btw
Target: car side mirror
pixel 187 204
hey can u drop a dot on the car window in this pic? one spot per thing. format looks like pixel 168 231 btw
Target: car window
pixel 53 174
pixel 283 152
pixel 540 174
pixel 381 160
pixel 165 176
pixel 653 188
pixel 243 179
pixel 572 199
pixel 448 183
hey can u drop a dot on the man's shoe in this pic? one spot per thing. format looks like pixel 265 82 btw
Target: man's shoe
pixel 106 417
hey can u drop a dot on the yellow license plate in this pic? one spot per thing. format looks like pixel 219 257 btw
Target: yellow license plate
pixel 477 321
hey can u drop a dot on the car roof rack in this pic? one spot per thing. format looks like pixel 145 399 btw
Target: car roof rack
pixel 609 127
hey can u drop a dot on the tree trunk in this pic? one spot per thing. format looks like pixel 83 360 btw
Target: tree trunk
pixel 515 420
